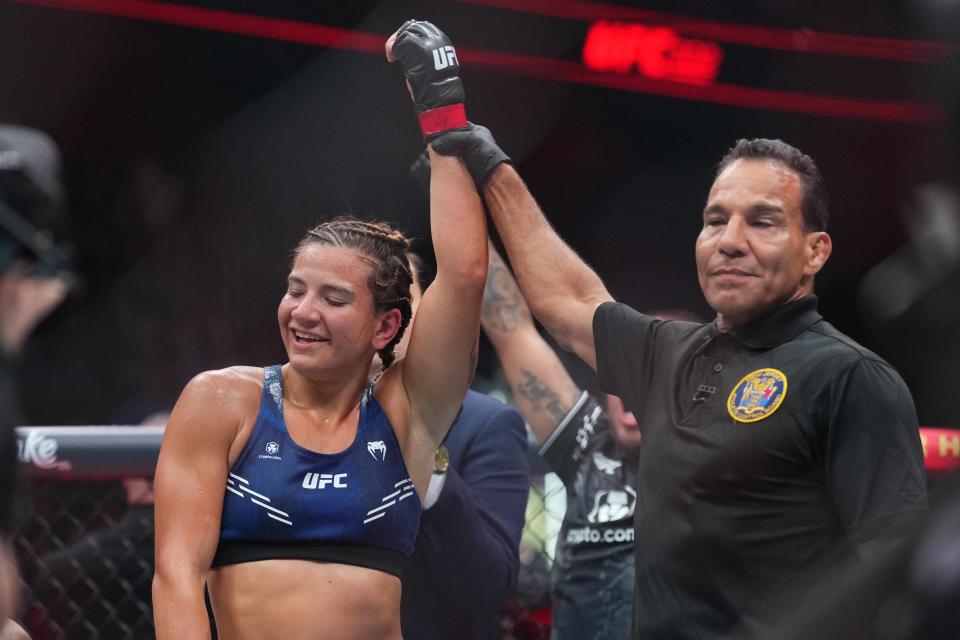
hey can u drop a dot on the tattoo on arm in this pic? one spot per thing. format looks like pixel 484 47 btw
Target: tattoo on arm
pixel 541 397
pixel 504 308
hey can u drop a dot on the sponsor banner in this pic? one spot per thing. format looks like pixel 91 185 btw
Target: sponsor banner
pixel 130 451
pixel 88 452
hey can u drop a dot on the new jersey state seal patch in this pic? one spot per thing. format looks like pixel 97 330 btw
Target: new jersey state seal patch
pixel 757 395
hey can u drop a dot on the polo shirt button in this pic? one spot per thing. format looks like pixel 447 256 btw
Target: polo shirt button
pixel 717 368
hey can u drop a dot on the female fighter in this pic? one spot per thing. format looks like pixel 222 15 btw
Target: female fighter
pixel 292 492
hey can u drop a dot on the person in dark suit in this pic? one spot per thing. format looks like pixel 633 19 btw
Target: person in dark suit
pixel 465 559
pixel 466 556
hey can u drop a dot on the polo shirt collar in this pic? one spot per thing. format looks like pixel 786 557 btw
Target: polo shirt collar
pixel 780 325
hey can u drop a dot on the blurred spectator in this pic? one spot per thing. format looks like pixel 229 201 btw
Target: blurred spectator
pixel 911 301
pixel 591 443
pixel 33 281
pixel 912 592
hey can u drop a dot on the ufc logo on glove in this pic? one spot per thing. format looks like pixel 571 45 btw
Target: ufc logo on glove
pixel 443 57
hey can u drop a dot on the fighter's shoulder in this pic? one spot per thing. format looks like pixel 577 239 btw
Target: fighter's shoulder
pixel 212 409
pixel 233 387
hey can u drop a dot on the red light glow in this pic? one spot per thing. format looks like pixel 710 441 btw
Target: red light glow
pixel 941 448
pixel 655 52
pixel 524 65
pixel 798 40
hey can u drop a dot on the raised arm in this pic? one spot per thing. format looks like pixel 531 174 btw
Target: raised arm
pixel 190 479
pixel 562 291
pixel 542 388
pixel 441 355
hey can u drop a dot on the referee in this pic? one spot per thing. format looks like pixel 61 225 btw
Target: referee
pixel 773 445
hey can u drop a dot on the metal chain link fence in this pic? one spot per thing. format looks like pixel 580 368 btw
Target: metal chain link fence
pixel 85 535
pixel 527 612
pixel 86 561
pixel 86 547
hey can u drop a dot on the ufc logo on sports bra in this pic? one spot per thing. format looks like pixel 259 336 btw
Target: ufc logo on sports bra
pixel 443 57
pixel 321 480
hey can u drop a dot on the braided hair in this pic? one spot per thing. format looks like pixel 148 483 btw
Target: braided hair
pixel 385 249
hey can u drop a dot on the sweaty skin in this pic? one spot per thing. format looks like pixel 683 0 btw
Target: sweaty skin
pixel 753 253
pixel 323 383
pixel 317 601
pixel 297 599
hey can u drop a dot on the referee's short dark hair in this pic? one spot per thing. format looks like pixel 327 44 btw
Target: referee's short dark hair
pixel 814 205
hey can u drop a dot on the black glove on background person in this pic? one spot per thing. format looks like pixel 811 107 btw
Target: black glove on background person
pixel 429 62
pixel 477 149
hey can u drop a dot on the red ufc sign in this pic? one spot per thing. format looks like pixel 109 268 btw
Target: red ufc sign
pixel 655 52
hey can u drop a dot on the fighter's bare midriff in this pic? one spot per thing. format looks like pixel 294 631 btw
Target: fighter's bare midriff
pixel 304 600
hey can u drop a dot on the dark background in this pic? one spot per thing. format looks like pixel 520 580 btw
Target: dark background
pixel 194 160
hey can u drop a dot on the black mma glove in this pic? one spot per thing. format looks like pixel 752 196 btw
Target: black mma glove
pixel 476 148
pixel 429 62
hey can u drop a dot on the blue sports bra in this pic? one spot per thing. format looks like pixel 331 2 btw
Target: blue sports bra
pixel 355 507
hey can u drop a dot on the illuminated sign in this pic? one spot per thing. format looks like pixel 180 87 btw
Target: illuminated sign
pixel 941 448
pixel 659 53
pixel 666 64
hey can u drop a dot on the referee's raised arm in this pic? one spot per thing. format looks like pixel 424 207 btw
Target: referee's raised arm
pixel 563 292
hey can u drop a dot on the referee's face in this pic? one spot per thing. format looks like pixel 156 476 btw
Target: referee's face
pixel 753 253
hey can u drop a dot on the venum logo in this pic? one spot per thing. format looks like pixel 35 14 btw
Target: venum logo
pixel 443 57
pixel 378 446
pixel 321 480
pixel 41 451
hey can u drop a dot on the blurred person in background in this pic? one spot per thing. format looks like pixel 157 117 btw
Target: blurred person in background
pixel 911 302
pixel 592 448
pixel 34 280
pixel 592 445
pixel 911 593
pixel 774 446
pixel 466 555
pixel 293 480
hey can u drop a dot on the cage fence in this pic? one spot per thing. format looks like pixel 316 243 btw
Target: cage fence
pixel 84 537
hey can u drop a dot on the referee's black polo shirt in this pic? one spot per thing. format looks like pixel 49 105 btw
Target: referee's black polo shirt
pixel 767 454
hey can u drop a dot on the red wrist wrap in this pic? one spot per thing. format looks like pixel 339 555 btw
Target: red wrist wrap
pixel 452 116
